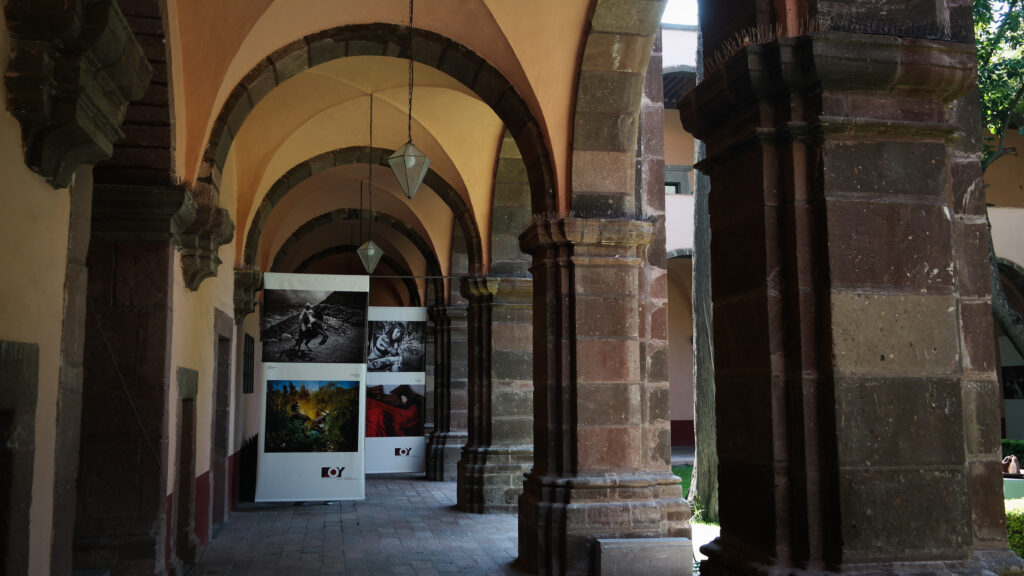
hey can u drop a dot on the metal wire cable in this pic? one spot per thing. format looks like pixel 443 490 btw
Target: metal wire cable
pixel 124 383
pixel 410 70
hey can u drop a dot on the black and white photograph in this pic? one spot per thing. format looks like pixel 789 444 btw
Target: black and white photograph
pixel 395 346
pixel 313 326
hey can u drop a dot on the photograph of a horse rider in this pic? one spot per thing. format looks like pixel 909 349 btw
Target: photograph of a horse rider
pixel 313 326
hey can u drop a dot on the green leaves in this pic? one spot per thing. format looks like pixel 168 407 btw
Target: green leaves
pixel 999 30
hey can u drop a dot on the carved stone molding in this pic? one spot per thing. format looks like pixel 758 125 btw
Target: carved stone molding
pixel 199 229
pixel 247 282
pixel 73 68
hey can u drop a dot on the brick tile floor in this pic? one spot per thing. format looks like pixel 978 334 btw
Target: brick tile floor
pixel 405 526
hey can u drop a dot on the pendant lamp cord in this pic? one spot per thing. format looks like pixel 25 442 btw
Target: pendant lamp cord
pixel 410 70
pixel 370 164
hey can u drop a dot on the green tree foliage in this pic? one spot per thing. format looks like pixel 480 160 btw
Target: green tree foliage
pixel 337 432
pixel 999 31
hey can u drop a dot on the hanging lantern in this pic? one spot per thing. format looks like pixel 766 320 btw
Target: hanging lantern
pixel 410 166
pixel 370 254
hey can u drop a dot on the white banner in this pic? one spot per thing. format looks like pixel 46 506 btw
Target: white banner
pixel 396 390
pixel 313 329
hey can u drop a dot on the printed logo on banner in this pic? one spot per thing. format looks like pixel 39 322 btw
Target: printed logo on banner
pixel 332 471
pixel 403 451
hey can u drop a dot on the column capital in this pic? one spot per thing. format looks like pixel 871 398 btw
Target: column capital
pixel 591 233
pixel 481 289
pixel 74 67
pixel 248 281
pixel 200 229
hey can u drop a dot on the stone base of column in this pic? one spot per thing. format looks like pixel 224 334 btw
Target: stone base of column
pixel 491 477
pixel 443 452
pixel 121 554
pixel 560 518
pixel 724 560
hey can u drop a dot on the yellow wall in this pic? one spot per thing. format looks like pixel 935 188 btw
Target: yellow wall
pixel 680 331
pixel 1004 180
pixel 34 236
pixel 192 346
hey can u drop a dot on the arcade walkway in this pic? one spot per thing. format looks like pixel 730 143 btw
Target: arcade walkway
pixel 405 526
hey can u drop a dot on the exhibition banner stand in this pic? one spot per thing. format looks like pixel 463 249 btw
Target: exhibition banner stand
pixel 313 332
pixel 395 390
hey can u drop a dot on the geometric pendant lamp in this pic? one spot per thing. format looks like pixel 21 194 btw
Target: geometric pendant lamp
pixel 409 164
pixel 369 252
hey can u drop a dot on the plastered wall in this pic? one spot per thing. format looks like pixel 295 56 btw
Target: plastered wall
pixel 193 346
pixel 33 256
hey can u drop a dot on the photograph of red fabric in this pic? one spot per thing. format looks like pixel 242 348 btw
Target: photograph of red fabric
pixel 394 411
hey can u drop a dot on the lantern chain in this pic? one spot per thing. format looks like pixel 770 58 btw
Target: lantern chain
pixel 410 70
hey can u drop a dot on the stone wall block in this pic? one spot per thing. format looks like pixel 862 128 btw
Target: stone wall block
pixel 603 172
pixel 752 440
pixel 608 404
pixel 987 505
pixel 876 431
pixel 608 448
pixel 889 245
pixel 739 352
pixel 604 319
pixel 885 168
pixel 972 265
pixel 976 329
pixel 616 52
pixel 607 361
pixel 891 335
pixel 968 188
pixel 609 92
pixel 513 431
pixel 605 132
pixel 981 400
pixel 899 510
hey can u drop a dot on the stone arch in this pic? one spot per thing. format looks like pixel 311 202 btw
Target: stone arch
pixel 608 100
pixel 379 39
pixel 387 220
pixel 1013 272
pixel 357 155
pixel 509 215
pixel 387 259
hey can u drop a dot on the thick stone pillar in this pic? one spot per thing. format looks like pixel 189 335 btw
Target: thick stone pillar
pixel 500 446
pixel 858 426
pixel 444 445
pixel 598 470
pixel 122 483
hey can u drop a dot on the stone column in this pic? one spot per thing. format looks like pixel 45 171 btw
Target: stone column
pixel 500 446
pixel 122 483
pixel 598 470
pixel 444 445
pixel 856 393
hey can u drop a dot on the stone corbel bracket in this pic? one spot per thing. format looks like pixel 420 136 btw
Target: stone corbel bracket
pixel 248 281
pixel 74 66
pixel 198 230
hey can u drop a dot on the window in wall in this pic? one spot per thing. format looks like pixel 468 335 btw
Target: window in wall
pixel 677 179
pixel 249 364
